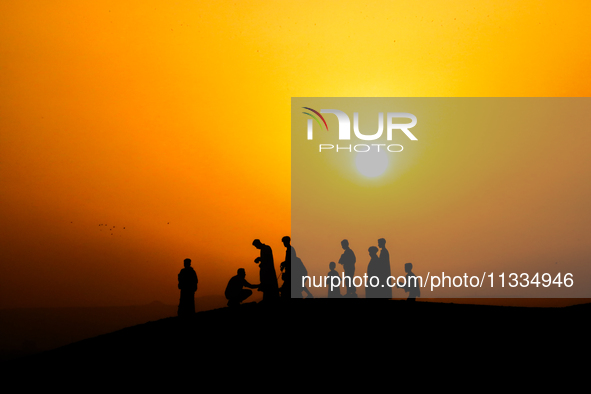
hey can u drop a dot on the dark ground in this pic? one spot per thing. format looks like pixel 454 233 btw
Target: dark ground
pixel 305 343
pixel 254 338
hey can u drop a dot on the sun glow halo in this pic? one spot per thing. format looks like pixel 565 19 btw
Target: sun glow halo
pixel 371 164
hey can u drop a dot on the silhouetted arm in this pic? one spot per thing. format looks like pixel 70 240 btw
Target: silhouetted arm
pixel 246 284
pixel 402 287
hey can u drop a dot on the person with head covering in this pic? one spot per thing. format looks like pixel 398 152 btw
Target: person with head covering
pixel 269 285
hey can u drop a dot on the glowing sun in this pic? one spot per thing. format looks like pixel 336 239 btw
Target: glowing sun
pixel 371 164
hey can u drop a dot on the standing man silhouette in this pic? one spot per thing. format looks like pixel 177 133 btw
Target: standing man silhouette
pixel 268 285
pixel 385 264
pixel 286 268
pixel 347 260
pixel 374 269
pixel 188 285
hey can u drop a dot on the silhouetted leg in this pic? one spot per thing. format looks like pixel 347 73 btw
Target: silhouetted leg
pixel 296 290
pixel 351 290
pixel 238 298
pixel 186 303
pixel 271 295
pixel 285 290
pixel 244 294
pixel 191 304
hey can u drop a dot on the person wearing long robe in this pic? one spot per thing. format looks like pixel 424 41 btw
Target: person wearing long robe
pixel 374 269
pixel 285 289
pixel 298 272
pixel 188 286
pixel 347 260
pixel 268 276
pixel 385 263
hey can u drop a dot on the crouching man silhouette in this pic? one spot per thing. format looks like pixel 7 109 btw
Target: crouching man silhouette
pixel 235 292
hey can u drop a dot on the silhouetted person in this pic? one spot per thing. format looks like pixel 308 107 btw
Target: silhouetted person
pixel 268 285
pixel 336 291
pixel 235 292
pixel 412 288
pixel 373 269
pixel 286 268
pixel 188 285
pixel 385 264
pixel 298 271
pixel 347 260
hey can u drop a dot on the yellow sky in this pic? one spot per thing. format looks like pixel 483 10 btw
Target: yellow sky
pixel 145 113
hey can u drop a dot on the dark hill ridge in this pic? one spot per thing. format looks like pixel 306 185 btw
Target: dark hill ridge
pixel 301 329
pixel 26 331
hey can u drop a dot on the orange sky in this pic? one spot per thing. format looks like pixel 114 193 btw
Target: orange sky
pixel 146 113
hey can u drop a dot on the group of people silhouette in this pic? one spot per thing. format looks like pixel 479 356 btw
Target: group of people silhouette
pixel 235 290
pixel 293 271
pixel 378 267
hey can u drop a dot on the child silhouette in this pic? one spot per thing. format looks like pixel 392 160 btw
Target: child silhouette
pixel 411 287
pixel 336 291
